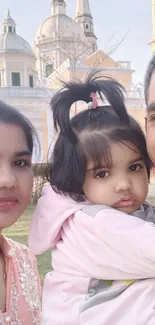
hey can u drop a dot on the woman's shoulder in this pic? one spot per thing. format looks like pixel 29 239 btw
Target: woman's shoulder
pixel 24 281
pixel 18 250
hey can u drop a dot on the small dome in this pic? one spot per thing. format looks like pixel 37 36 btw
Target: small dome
pixel 58 26
pixel 10 41
pixel 15 43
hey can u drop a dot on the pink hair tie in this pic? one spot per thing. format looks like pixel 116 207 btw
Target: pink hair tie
pixel 93 97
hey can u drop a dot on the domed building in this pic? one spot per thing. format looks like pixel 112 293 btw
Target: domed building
pixel 64 48
pixel 59 35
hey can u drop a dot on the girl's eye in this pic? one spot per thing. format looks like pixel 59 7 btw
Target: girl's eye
pixel 20 163
pixel 135 167
pixel 102 174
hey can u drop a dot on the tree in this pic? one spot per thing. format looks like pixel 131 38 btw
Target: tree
pixel 111 46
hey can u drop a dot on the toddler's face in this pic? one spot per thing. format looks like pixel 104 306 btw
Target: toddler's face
pixel 124 186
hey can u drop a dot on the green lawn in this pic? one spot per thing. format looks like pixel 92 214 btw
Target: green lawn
pixel 151 200
pixel 19 232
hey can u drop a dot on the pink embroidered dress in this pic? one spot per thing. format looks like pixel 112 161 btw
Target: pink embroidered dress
pixel 23 291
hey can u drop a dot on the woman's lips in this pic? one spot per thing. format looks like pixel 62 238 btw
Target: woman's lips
pixel 7 202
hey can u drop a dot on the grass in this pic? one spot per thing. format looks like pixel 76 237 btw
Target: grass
pixel 19 232
pixel 151 200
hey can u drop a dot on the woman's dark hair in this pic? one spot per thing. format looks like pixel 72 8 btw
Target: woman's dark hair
pixel 88 134
pixel 10 115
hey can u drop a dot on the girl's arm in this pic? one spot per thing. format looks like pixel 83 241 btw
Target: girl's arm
pixel 115 245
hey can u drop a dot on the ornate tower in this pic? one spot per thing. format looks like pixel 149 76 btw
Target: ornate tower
pixel 152 43
pixel 85 20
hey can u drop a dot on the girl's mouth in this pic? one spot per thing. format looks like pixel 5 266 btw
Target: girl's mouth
pixel 126 201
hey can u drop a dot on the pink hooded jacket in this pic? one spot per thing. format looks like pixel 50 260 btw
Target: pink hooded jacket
pixel 103 262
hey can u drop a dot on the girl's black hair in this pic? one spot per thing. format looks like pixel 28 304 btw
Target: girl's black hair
pixel 10 115
pixel 88 134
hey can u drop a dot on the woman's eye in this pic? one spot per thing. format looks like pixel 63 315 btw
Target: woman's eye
pixel 152 118
pixel 102 174
pixel 20 163
pixel 135 167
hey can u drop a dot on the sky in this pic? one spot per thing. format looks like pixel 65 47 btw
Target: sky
pixel 127 20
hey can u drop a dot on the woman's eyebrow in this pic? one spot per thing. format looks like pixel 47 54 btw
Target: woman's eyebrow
pixel 23 153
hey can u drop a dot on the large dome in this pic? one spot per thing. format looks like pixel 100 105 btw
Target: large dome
pixel 58 26
pixel 10 41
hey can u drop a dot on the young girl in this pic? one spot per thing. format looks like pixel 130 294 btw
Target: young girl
pixel 19 281
pixel 93 214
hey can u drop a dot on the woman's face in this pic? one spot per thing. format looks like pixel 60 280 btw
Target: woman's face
pixel 16 176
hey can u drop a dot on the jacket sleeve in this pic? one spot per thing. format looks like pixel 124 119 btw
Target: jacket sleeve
pixel 41 229
pixel 117 246
pixel 49 216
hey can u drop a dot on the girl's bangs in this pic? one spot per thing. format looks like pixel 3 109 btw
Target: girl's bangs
pixel 96 149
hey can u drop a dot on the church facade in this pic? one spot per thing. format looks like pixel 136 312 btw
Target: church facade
pixel 64 48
